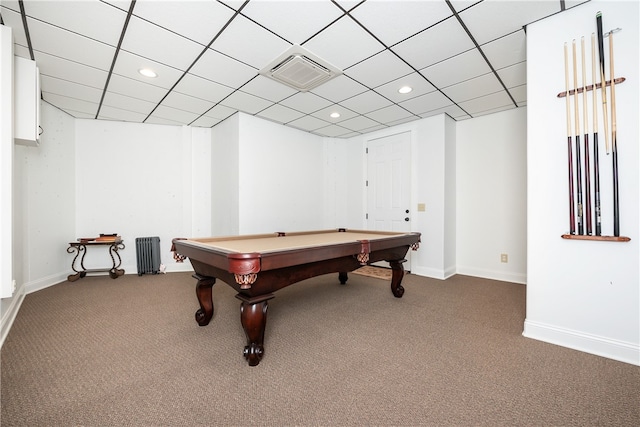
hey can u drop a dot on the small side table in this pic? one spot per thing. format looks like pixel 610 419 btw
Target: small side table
pixel 114 242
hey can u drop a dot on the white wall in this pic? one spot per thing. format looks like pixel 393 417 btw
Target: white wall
pixel 48 200
pixel 225 175
pixel 6 158
pixel 140 180
pixel 43 210
pixel 582 294
pixel 281 181
pixel 491 195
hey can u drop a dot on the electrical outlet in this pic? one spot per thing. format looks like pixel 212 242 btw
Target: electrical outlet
pixel 504 258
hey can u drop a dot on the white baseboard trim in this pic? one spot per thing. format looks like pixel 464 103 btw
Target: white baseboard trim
pixel 10 315
pixel 600 346
pixel 493 274
pixel 45 282
pixel 433 273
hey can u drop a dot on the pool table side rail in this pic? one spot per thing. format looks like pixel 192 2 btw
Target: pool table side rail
pixel 224 258
pixel 253 262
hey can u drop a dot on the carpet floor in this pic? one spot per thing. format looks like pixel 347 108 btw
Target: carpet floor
pixel 128 352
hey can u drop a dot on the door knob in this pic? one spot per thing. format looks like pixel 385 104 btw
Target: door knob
pixel 406 219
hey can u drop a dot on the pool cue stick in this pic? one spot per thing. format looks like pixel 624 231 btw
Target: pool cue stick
pixel 577 135
pixel 572 223
pixel 596 161
pixel 614 144
pixel 587 170
pixel 603 82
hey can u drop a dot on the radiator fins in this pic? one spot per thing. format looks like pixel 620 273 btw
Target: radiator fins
pixel 148 255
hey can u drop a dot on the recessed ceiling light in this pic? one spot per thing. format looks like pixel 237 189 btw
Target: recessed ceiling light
pixel 334 115
pixel 405 89
pixel 147 72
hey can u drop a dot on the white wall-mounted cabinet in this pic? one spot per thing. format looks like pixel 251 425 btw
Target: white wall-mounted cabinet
pixel 26 102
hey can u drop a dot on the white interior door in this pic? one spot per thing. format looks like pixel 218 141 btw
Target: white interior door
pixel 389 184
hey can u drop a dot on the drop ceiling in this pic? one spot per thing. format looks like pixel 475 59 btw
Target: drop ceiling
pixel 462 58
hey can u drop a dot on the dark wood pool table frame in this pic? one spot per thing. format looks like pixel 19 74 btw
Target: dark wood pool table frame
pixel 257 275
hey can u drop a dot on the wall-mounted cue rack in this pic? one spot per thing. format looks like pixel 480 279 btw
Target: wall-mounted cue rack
pixel 582 207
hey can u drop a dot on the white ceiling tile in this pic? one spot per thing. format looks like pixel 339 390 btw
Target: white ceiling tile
pixel 457 69
pixel 306 102
pixel 333 131
pixel 55 66
pixel 250 43
pixel 348 5
pixel 339 88
pixel 519 93
pixel 280 113
pixel 425 103
pixel 71 89
pixel 359 123
pixel 67 103
pixel 13 19
pixel 173 114
pixel 128 103
pixel 75 53
pixel 365 102
pixel 187 103
pixel 205 122
pixel 220 112
pixel 415 16
pixel 244 102
pixel 343 44
pixel 295 21
pixel 197 20
pixel 308 123
pixel 460 5
pixel 416 81
pixel 430 47
pixel 493 110
pixel 507 50
pixel 486 20
pixel 514 75
pixel 267 88
pixel 389 114
pixel 157 120
pixel 128 64
pixel 65 44
pixel 141 90
pixel 111 113
pixel 473 88
pixel 451 110
pixel 198 87
pixel 222 69
pixel 92 18
pixel 234 4
pixel 486 103
pixel 379 69
pixel 401 121
pixel 325 113
pixel 157 44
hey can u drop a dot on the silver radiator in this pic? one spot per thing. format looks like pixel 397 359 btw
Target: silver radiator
pixel 148 255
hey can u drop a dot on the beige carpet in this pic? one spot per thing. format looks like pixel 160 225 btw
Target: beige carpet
pixel 128 352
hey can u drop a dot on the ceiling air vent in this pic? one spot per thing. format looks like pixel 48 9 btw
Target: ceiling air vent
pixel 300 69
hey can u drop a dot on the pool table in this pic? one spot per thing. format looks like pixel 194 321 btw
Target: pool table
pixel 258 265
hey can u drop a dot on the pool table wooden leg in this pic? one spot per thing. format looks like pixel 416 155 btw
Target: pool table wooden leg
pixel 397 273
pixel 253 316
pixel 342 277
pixel 205 298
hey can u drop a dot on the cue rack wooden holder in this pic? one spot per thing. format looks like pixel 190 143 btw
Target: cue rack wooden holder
pixel 617 80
